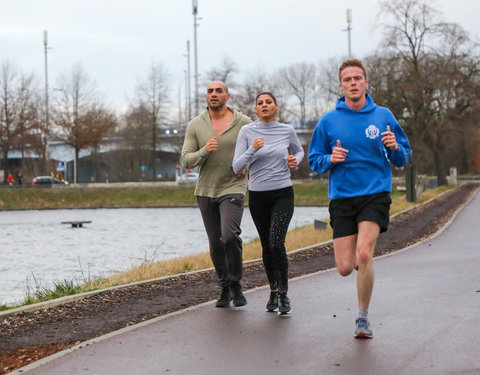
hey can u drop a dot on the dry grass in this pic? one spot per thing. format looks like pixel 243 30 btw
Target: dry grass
pixel 296 239
pixel 149 269
pixel 399 202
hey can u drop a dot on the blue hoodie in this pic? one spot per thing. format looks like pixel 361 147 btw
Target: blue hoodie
pixel 366 169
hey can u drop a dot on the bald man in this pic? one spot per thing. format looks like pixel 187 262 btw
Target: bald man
pixel 210 144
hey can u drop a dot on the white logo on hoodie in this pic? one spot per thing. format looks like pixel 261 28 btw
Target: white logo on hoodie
pixel 372 132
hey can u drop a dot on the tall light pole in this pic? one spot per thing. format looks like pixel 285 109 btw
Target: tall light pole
pixel 189 89
pixel 180 118
pixel 45 43
pixel 348 30
pixel 195 12
pixel 187 98
pixel 75 122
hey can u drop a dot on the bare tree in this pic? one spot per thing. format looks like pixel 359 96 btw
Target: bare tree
pixel 256 81
pixel 457 105
pixel 76 96
pixel 97 122
pixel 18 112
pixel 224 72
pixel 431 65
pixel 299 80
pixel 8 79
pixel 133 148
pixel 152 94
pixel 327 90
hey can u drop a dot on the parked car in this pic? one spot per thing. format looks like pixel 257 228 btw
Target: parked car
pixel 47 181
pixel 187 178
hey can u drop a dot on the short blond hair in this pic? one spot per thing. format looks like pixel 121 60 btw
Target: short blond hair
pixel 352 63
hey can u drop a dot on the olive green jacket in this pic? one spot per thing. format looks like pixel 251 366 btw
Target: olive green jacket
pixel 216 177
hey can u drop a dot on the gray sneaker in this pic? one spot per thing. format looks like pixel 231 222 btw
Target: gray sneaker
pixel 363 330
pixel 237 295
pixel 272 304
pixel 225 298
pixel 283 304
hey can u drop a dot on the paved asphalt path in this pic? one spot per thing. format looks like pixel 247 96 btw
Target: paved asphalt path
pixel 425 316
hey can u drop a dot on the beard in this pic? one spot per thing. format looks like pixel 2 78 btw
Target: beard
pixel 216 105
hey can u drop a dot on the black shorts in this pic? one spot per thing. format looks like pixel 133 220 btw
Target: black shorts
pixel 346 213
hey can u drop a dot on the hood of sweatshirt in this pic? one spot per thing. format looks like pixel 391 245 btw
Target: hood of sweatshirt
pixel 237 116
pixel 368 107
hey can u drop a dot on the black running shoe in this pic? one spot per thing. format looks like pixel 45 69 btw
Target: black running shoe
pixel 283 304
pixel 225 298
pixel 238 297
pixel 272 304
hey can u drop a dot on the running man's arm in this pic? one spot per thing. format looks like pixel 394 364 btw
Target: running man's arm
pixel 320 152
pixel 192 154
pixel 398 157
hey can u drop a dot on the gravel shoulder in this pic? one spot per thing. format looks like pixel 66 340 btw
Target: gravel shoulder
pixel 29 336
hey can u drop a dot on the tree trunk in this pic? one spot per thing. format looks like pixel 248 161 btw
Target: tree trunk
pixel 44 158
pixel 75 166
pixel 5 166
pixel 153 155
pixel 96 169
pixel 464 160
pixel 440 168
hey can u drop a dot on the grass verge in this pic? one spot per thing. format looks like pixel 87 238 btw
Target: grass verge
pixel 67 198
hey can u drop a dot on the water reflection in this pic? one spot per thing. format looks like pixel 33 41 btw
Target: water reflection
pixel 37 247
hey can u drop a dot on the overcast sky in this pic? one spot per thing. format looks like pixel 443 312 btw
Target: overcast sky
pixel 116 41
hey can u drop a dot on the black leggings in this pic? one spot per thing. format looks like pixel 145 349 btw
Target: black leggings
pixel 271 212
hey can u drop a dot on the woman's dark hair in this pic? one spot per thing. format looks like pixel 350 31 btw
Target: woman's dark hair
pixel 266 93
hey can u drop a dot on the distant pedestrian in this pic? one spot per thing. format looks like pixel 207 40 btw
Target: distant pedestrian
pixel 355 143
pixel 209 144
pixel 10 179
pixel 269 149
pixel 19 178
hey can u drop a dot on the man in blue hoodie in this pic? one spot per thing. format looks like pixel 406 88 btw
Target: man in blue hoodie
pixel 356 143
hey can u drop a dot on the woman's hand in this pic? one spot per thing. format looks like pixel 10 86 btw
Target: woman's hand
pixel 258 143
pixel 242 173
pixel 292 161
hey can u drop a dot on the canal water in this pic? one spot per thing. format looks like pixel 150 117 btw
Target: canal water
pixel 37 249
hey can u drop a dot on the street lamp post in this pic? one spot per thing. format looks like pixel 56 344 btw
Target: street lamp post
pixel 75 120
pixel 182 121
pixel 189 89
pixel 195 12
pixel 187 97
pixel 348 30
pixel 180 117
pixel 45 43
